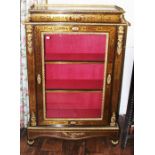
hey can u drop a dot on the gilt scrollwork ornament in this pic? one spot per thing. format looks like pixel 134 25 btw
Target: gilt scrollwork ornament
pixel 120 39
pixel 120 29
pixel 29 42
pixel 113 119
pixel 29 29
pixel 33 119
pixel 73 134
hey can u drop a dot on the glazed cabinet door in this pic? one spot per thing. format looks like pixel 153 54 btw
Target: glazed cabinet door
pixel 74 70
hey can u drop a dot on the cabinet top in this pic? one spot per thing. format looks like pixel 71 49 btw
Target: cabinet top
pixel 76 14
pixel 75 8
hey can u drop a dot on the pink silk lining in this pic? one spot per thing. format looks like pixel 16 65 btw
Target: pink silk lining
pixel 73 104
pixel 75 47
pixel 74 76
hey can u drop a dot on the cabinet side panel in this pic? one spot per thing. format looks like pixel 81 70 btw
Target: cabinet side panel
pixel 38 74
pixel 31 74
pixel 118 67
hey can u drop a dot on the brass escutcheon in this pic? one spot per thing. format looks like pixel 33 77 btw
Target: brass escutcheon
pixel 75 28
pixel 109 79
pixel 72 122
pixel 39 79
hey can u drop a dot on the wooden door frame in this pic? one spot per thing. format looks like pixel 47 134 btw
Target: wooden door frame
pixel 38 30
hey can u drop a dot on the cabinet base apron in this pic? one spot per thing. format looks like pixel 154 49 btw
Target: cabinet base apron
pixel 72 133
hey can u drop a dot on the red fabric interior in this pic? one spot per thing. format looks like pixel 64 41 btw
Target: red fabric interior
pixel 84 47
pixel 73 104
pixel 74 76
pixel 74 47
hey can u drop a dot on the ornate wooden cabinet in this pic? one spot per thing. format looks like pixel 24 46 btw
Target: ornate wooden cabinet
pixel 75 58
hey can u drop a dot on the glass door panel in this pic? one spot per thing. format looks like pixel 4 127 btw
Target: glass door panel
pixel 74 70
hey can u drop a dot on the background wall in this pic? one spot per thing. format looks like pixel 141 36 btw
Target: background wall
pixel 127 5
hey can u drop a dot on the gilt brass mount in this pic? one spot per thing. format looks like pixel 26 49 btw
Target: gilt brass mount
pixel 29 38
pixel 73 134
pixel 113 119
pixel 114 142
pixel 30 142
pixel 33 119
pixel 120 40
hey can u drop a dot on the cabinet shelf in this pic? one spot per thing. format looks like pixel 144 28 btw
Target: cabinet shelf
pixel 74 57
pixel 73 90
pixel 73 62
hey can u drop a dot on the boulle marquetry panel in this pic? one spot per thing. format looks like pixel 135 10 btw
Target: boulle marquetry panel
pixel 75 60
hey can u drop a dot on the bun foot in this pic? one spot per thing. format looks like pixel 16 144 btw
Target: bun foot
pixel 114 142
pixel 30 141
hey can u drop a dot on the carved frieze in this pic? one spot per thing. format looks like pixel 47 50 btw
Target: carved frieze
pixel 74 18
pixel 70 28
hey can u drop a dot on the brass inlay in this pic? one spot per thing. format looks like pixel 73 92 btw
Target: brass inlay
pixel 113 119
pixel 64 23
pixel 72 122
pixel 76 128
pixel 65 28
pixel 33 119
pixel 39 79
pixel 120 39
pixel 109 79
pixel 46 17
